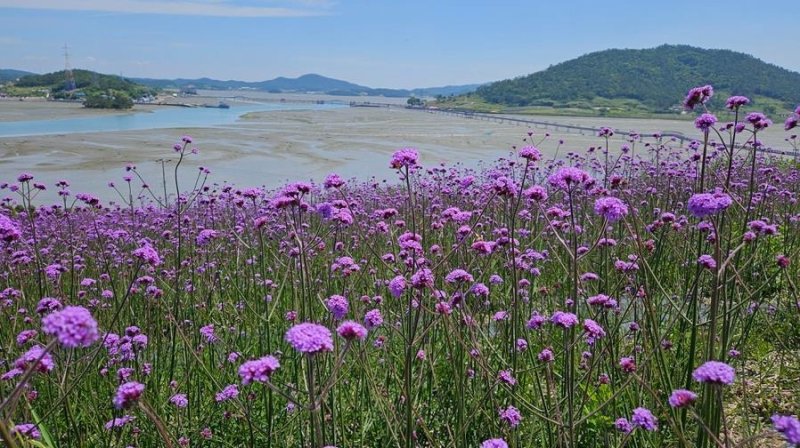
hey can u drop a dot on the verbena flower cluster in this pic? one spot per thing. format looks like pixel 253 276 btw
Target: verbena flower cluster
pixel 615 295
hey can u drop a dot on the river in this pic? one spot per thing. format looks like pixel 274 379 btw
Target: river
pixel 163 117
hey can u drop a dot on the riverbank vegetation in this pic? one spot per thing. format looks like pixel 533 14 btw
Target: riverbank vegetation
pixel 96 90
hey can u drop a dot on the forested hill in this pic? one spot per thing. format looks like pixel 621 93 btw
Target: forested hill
pixel 95 90
pixel 11 75
pixel 84 79
pixel 657 78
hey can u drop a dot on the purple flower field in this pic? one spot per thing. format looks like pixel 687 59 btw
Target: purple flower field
pixel 639 293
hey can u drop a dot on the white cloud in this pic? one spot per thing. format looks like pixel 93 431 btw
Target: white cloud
pixel 180 7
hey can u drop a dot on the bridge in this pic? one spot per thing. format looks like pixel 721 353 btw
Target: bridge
pixel 497 118
pixel 505 119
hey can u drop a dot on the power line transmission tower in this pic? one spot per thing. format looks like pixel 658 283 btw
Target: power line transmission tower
pixel 70 77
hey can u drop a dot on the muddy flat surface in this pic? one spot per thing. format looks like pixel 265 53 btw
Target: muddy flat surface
pixel 271 148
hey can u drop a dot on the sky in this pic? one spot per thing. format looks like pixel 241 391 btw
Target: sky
pixel 377 43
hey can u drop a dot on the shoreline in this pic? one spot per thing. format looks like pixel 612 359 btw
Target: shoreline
pixel 36 108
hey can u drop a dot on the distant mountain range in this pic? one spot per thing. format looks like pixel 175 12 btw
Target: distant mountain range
pixel 654 79
pixel 616 82
pixel 310 83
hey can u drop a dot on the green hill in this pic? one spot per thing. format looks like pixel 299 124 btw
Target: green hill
pixel 651 80
pixel 96 89
pixel 84 80
pixel 7 74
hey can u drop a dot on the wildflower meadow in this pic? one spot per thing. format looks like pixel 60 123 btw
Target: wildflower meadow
pixel 641 293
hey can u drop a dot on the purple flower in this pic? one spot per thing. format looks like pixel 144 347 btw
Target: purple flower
pixel 26 335
pixel 789 426
pixel 562 319
pixel 714 372
pixel 601 300
pixel 707 261
pixel 506 377
pixel 373 318
pixel 698 95
pixel 338 306
pixel 628 365
pixel 283 201
pixel 758 120
pixel 258 370
pixel 546 355
pixel 593 331
pixel 179 400
pixel 736 101
pixel 11 374
pixel 9 231
pixel 610 208
pixel 119 422
pixel 404 157
pixel 74 327
pixel 494 443
pixel 681 398
pixel 504 186
pixel 788 125
pixel 536 193
pixel 705 204
pixel 127 394
pixel 459 276
pixel 208 333
pixel 443 308
pixel 422 278
pixel 705 121
pixel 397 286
pixel 530 153
pixel 147 254
pixel 605 132
pixel 205 236
pixel 352 330
pixel 623 425
pixel 310 338
pixel 511 416
pixel 644 419
pixel 590 277
pixel 48 304
pixel 53 271
pixel 36 354
pixel 28 430
pixel 333 181
pixel 230 392
pixel 536 321
pixel 569 177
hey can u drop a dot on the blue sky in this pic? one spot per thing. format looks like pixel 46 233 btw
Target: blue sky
pixel 378 43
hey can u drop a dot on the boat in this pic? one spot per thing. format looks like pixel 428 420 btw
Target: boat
pixel 221 105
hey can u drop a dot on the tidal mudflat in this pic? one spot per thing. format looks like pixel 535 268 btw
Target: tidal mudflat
pixel 270 148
